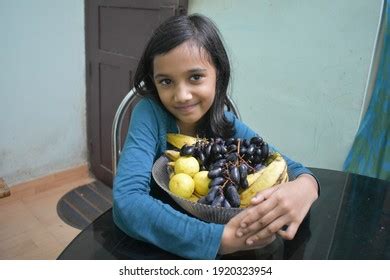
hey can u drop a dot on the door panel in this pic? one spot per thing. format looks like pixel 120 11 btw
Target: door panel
pixel 128 21
pixel 116 34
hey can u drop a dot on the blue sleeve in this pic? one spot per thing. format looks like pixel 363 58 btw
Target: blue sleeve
pixel 148 219
pixel 244 132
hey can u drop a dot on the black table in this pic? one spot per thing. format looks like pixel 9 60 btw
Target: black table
pixel 351 220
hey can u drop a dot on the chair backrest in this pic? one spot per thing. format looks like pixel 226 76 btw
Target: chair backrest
pixel 127 103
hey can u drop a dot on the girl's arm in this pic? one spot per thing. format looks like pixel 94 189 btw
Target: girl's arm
pixel 283 205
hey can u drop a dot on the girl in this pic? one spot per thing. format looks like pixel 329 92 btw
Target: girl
pixel 186 72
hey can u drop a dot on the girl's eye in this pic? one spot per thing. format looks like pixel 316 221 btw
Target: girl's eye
pixel 196 77
pixel 165 82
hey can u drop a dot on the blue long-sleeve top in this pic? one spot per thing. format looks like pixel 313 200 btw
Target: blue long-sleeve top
pixel 147 214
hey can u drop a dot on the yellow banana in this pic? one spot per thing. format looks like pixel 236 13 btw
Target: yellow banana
pixel 272 157
pixel 283 177
pixel 172 154
pixel 253 177
pixel 178 140
pixel 269 177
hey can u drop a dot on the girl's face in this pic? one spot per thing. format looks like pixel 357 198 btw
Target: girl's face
pixel 186 82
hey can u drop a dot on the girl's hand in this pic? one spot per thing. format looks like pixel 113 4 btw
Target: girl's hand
pixel 272 209
pixel 230 243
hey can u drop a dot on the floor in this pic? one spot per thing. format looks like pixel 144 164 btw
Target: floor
pixel 29 225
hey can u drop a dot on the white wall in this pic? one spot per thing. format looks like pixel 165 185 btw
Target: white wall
pixel 300 70
pixel 42 88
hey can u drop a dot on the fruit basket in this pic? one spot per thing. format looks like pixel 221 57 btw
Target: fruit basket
pixel 208 213
pixel 214 179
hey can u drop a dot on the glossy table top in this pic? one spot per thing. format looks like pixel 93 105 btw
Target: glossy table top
pixel 350 220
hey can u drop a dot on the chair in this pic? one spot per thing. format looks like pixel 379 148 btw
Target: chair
pixel 128 102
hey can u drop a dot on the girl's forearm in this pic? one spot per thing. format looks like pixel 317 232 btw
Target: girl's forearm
pixel 310 182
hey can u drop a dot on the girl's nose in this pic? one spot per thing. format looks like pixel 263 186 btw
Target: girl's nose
pixel 182 94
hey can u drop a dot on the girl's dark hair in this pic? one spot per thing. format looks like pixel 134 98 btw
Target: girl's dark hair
pixel 204 34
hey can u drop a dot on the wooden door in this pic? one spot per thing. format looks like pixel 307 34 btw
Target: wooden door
pixel 116 33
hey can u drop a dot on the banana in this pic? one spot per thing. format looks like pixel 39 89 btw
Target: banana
pixel 271 158
pixel 270 176
pixel 253 177
pixel 172 154
pixel 178 140
pixel 283 177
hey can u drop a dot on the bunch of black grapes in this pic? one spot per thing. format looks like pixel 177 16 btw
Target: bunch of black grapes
pixel 228 163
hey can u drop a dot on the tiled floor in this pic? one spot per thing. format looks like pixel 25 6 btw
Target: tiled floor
pixel 29 225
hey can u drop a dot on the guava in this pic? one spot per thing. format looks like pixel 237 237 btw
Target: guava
pixel 187 165
pixel 182 185
pixel 202 182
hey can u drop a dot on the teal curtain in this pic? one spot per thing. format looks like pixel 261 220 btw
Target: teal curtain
pixel 370 152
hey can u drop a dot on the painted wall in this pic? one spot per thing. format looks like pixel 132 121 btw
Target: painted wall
pixel 300 70
pixel 42 88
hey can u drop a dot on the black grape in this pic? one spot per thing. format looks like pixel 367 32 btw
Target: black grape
pixel 235 174
pixel 214 173
pixel 217 202
pixel 187 150
pixel 211 194
pixel 217 181
pixel 232 196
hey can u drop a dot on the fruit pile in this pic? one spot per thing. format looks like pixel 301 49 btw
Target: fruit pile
pixel 222 173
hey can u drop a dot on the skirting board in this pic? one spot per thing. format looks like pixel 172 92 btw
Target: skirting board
pixel 50 181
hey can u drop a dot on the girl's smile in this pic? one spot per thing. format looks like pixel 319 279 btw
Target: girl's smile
pixel 187 108
pixel 186 82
